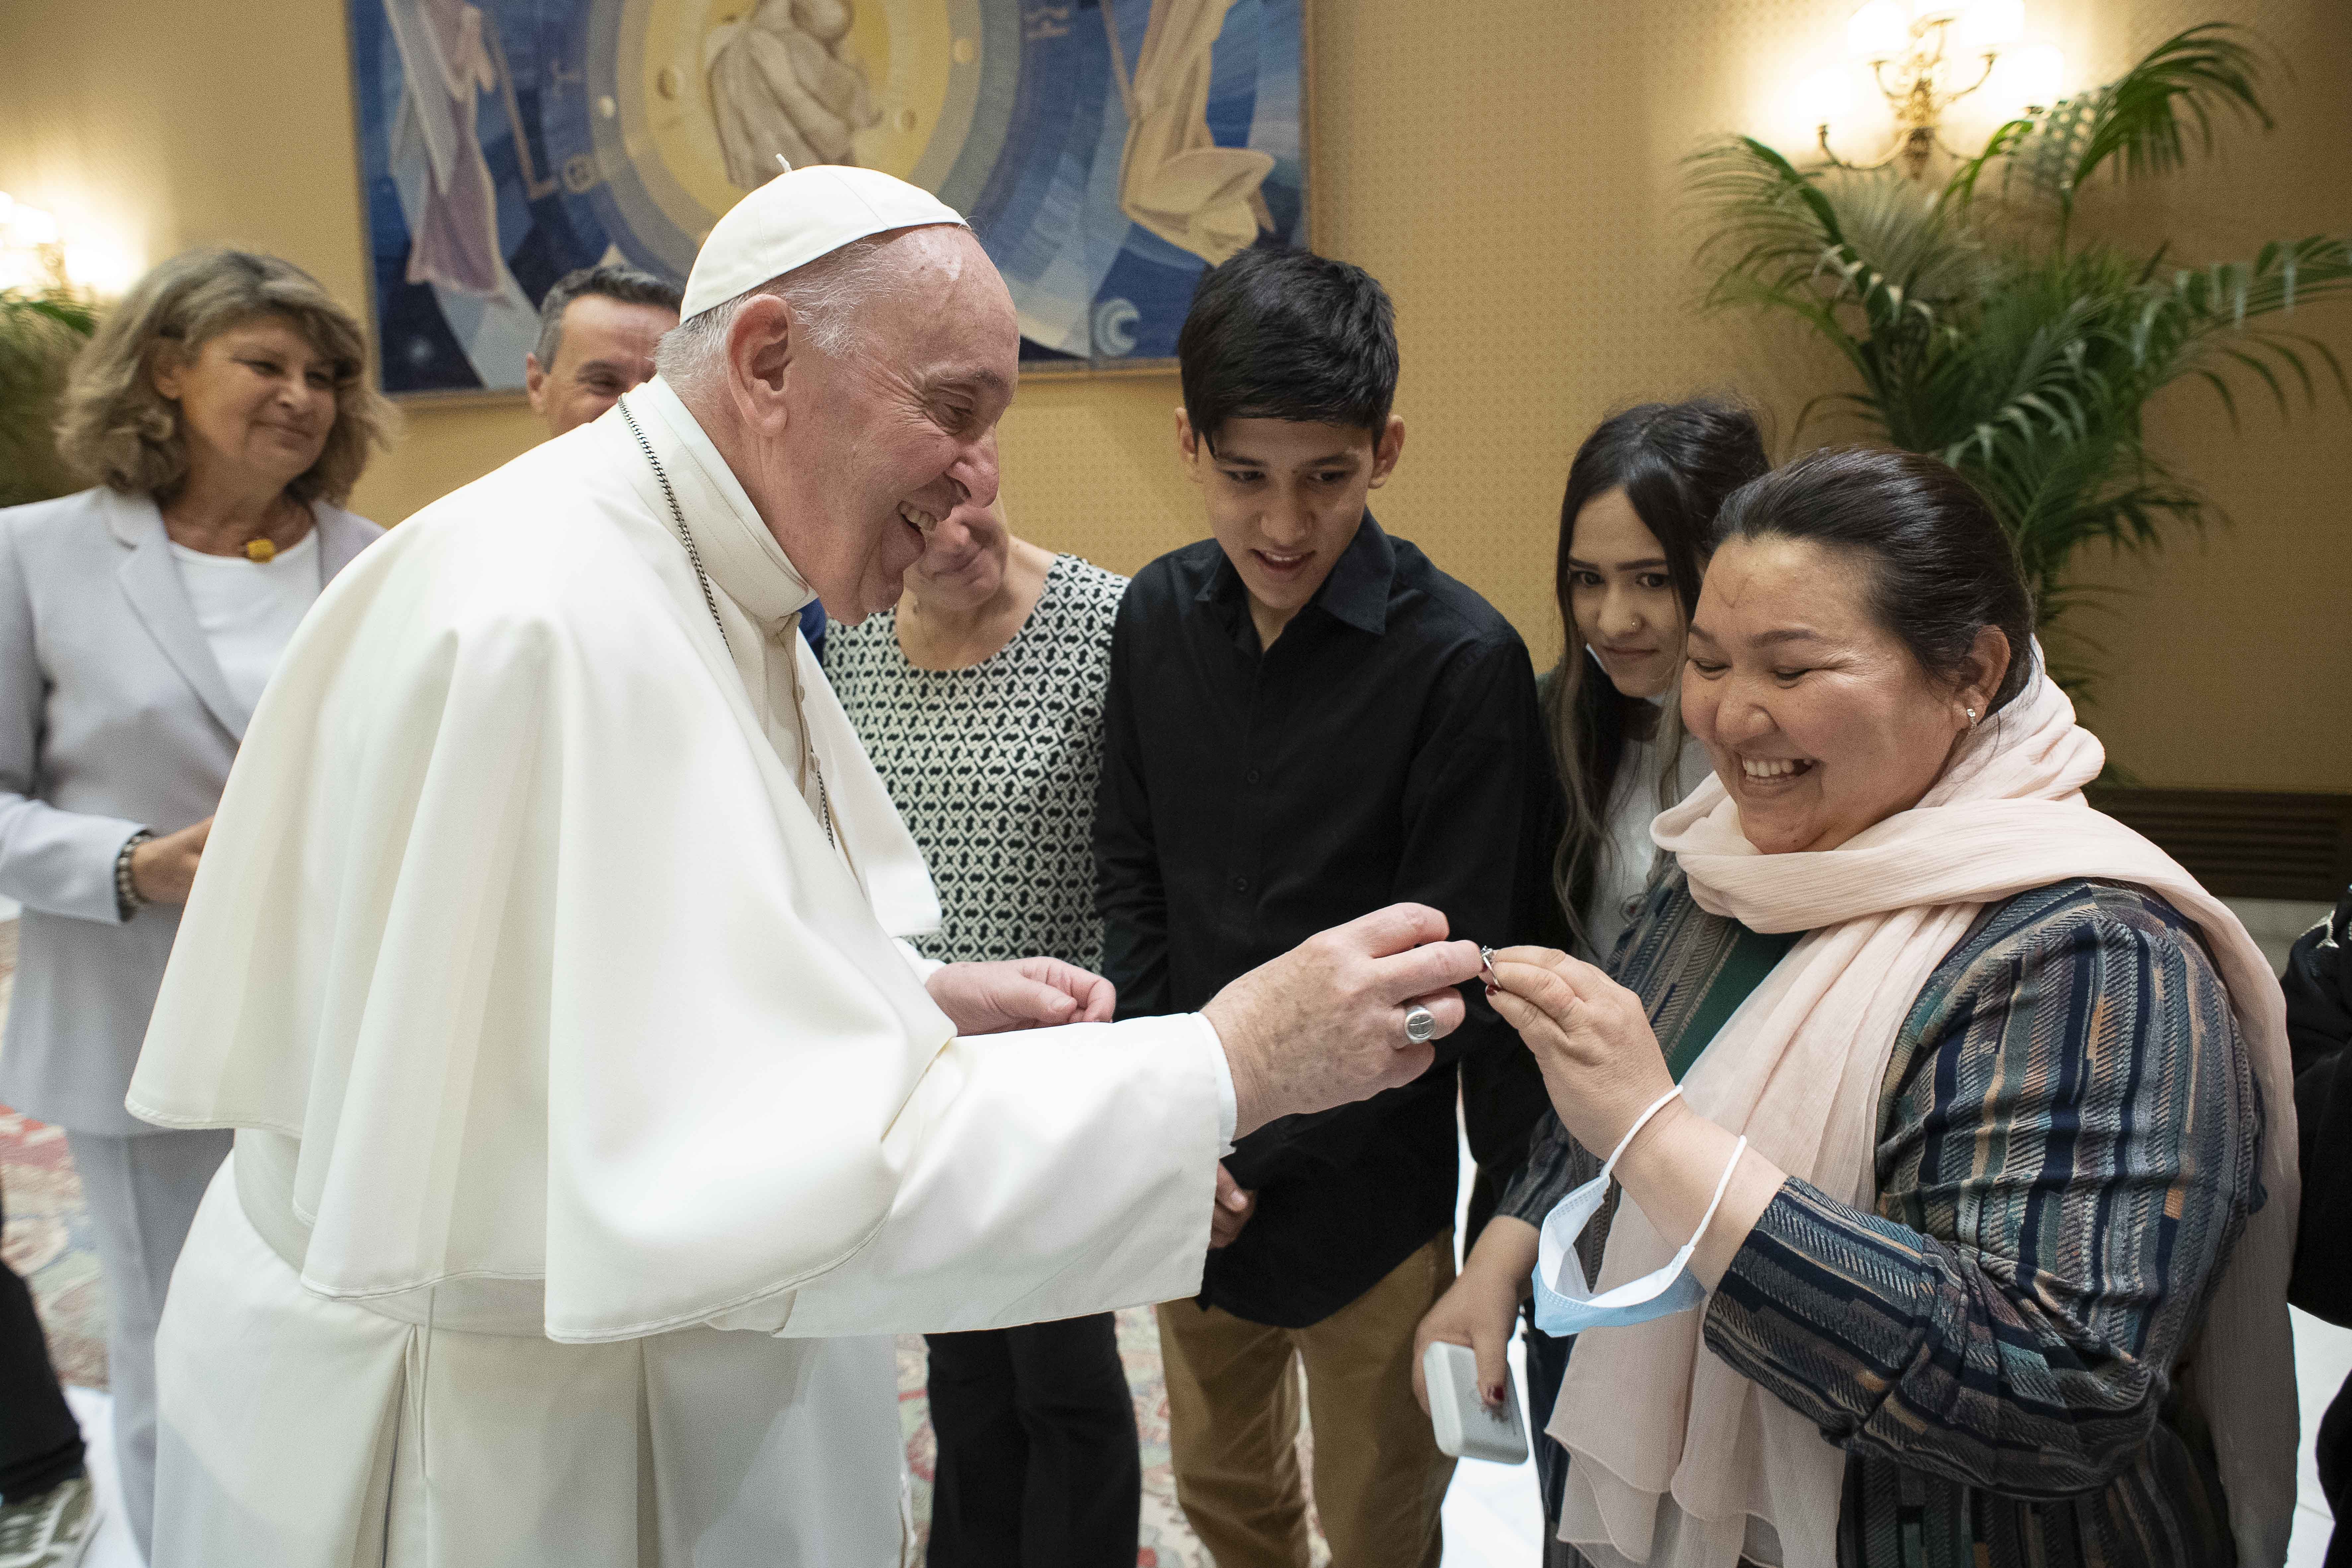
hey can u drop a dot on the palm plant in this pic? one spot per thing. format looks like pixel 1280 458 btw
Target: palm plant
pixel 1982 328
pixel 39 332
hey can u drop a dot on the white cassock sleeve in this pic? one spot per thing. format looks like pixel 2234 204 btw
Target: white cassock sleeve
pixel 1003 1131
pixel 924 968
pixel 511 917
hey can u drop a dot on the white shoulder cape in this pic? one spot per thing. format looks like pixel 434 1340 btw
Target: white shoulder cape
pixel 513 918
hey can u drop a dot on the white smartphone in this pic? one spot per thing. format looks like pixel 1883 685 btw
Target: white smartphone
pixel 1466 1427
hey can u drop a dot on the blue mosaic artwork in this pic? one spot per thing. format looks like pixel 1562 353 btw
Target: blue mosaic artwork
pixel 1105 151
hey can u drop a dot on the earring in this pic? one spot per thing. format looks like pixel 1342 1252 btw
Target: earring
pixel 1972 718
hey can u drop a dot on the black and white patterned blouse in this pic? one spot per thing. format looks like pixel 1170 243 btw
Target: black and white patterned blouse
pixel 993 767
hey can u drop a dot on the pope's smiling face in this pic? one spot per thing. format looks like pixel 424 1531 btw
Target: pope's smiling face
pixel 896 429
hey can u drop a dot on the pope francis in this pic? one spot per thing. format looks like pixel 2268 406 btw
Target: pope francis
pixel 592 1126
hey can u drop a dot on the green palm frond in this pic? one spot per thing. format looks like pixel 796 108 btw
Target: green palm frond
pixel 1974 332
pixel 2142 115
pixel 2136 126
pixel 1773 226
pixel 39 332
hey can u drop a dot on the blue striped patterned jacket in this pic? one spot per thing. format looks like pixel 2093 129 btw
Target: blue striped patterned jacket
pixel 2066 1154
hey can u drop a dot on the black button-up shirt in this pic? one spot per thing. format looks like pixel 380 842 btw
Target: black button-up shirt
pixel 1386 748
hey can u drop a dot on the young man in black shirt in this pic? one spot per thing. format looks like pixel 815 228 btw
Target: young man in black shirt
pixel 1307 721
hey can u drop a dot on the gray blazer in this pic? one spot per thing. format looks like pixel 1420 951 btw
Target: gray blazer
pixel 113 716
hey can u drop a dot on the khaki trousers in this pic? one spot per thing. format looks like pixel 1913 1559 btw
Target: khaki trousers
pixel 1233 1421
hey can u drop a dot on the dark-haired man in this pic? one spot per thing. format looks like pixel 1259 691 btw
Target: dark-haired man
pixel 1306 721
pixel 597 329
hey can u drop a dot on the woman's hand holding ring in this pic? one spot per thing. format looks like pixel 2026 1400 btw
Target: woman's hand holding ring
pixel 1590 1036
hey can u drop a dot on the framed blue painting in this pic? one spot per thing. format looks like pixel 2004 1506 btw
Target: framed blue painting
pixel 1105 151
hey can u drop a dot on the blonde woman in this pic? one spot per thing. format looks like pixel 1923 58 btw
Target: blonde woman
pixel 223 410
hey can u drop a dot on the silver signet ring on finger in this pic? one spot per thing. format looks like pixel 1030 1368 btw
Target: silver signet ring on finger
pixel 1420 1024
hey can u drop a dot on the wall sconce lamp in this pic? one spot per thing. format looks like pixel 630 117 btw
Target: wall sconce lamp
pixel 31 256
pixel 35 255
pixel 1917 52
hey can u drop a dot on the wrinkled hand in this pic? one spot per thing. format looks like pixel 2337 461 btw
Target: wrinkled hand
pixel 1026 993
pixel 164 868
pixel 1481 1307
pixel 1323 1023
pixel 780 85
pixel 1232 1210
pixel 1590 1036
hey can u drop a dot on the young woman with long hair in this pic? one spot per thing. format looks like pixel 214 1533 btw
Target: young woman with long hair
pixel 1634 531
pixel 1636 527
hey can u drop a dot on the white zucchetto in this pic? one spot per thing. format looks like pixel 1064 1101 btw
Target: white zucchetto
pixel 798 217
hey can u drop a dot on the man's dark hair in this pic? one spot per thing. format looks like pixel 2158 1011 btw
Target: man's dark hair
pixel 1279 333
pixel 612 281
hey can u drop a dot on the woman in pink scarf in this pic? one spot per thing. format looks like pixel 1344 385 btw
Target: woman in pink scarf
pixel 1974 1106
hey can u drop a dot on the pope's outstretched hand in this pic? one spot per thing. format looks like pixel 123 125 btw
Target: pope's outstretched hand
pixel 1325 1024
pixel 1023 993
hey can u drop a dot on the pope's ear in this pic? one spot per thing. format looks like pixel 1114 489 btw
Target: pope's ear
pixel 762 341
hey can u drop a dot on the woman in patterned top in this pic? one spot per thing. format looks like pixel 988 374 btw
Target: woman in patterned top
pixel 981 700
pixel 1957 1087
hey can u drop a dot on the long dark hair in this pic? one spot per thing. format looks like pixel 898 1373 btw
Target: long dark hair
pixel 1676 462
pixel 1942 568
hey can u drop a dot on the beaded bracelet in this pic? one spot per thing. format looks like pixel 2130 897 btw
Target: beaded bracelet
pixel 128 900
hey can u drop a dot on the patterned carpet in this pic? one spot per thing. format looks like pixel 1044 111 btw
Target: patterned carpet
pixel 48 1241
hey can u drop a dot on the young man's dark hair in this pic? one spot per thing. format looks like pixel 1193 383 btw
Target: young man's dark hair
pixel 1307 720
pixel 1278 333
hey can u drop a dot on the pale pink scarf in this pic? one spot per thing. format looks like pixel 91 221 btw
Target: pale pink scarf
pixel 1673 1450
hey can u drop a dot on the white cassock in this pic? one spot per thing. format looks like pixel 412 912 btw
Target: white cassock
pixel 592 1126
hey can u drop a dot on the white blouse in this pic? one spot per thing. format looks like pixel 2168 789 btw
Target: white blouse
pixel 248 609
pixel 1624 868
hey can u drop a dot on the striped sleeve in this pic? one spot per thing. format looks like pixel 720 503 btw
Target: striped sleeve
pixel 1557 1164
pixel 2066 1158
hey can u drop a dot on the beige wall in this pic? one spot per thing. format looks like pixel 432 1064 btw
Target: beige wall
pixel 1508 170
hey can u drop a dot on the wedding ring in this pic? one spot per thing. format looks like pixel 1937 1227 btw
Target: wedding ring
pixel 1420 1024
pixel 1487 963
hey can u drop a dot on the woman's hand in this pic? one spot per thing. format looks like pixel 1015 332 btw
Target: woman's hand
pixel 1603 1068
pixel 1480 1307
pixel 164 869
pixel 1589 1035
pixel 1025 994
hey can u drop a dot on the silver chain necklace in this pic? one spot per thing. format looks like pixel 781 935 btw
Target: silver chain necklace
pixel 711 603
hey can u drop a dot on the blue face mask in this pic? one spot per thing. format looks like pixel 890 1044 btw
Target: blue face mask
pixel 1565 1304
